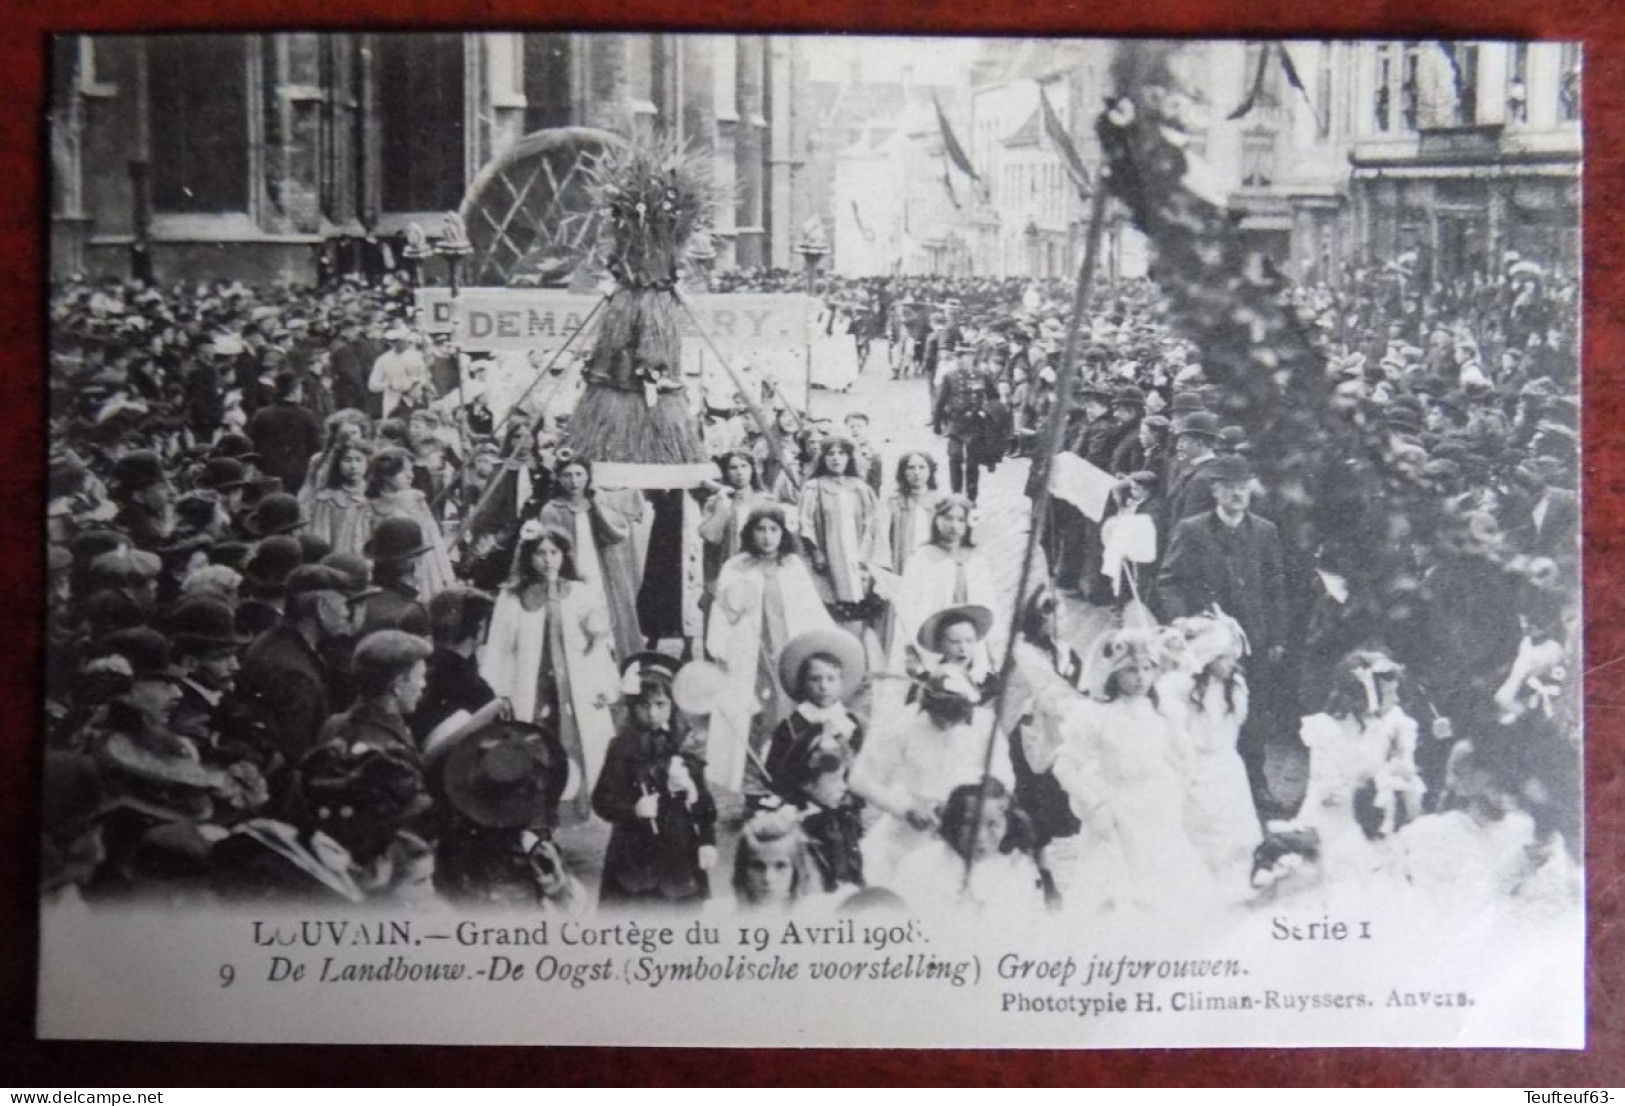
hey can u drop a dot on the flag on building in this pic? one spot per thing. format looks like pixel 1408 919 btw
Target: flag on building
pixel 955 153
pixel 1075 167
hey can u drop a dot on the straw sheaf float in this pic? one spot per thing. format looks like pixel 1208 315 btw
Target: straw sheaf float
pixel 655 204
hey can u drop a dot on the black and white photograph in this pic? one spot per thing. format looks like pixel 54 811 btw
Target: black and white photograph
pixel 652 538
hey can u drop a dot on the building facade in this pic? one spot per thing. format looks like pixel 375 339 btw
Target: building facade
pixel 1468 153
pixel 249 155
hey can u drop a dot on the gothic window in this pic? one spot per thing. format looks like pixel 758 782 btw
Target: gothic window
pixel 197 112
pixel 420 107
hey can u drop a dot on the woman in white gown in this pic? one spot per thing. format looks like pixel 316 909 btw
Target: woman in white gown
pixel 764 597
pixel 1123 766
pixel 549 651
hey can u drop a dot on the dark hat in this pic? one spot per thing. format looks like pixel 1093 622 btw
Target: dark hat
pixel 1085 390
pixel 1232 435
pixel 361 795
pixel 1157 423
pixel 308 578
pixel 1186 403
pixel 236 446
pixel 146 650
pixel 1129 396
pixel 138 469
pixel 196 510
pixel 273 560
pixel 1541 387
pixel 125 566
pixel 978 616
pixel 457 612
pixel 311 548
pixel 202 620
pixel 837 643
pixel 396 539
pixel 1230 469
pixel 353 567
pixel 222 474
pixel 647 666
pixel 507 775
pixel 1203 423
pixel 1402 419
pixel 277 513
pixel 67 473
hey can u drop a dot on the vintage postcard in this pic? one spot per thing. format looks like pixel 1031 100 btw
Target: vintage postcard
pixel 766 540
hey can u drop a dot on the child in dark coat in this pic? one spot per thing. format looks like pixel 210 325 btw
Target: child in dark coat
pixel 652 791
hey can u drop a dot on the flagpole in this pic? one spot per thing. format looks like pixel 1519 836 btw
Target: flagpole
pixel 1047 449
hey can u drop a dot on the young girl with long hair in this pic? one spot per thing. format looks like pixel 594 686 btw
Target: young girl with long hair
pixel 839 524
pixel 339 512
pixel 764 597
pixel 390 494
pixel 599 534
pixel 549 651
pixel 949 572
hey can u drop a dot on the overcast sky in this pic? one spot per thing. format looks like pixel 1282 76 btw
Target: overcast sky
pixel 935 60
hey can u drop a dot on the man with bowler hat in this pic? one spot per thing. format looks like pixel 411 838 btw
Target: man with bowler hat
pixel 394 549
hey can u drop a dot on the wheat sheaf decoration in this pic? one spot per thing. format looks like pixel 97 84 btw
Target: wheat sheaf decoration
pixel 655 205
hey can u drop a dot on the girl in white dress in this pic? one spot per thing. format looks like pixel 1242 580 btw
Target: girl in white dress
pixel 909 767
pixel 1123 766
pixel 549 651
pixel 764 597
pixel 1209 690
pixel 949 572
pixel 1363 783
pixel 1004 879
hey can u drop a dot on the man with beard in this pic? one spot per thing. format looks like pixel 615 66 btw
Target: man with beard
pixel 1230 559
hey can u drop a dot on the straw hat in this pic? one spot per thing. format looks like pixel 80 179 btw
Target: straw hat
pixel 846 649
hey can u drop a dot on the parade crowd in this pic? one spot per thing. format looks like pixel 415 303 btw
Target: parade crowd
pixel 321 623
